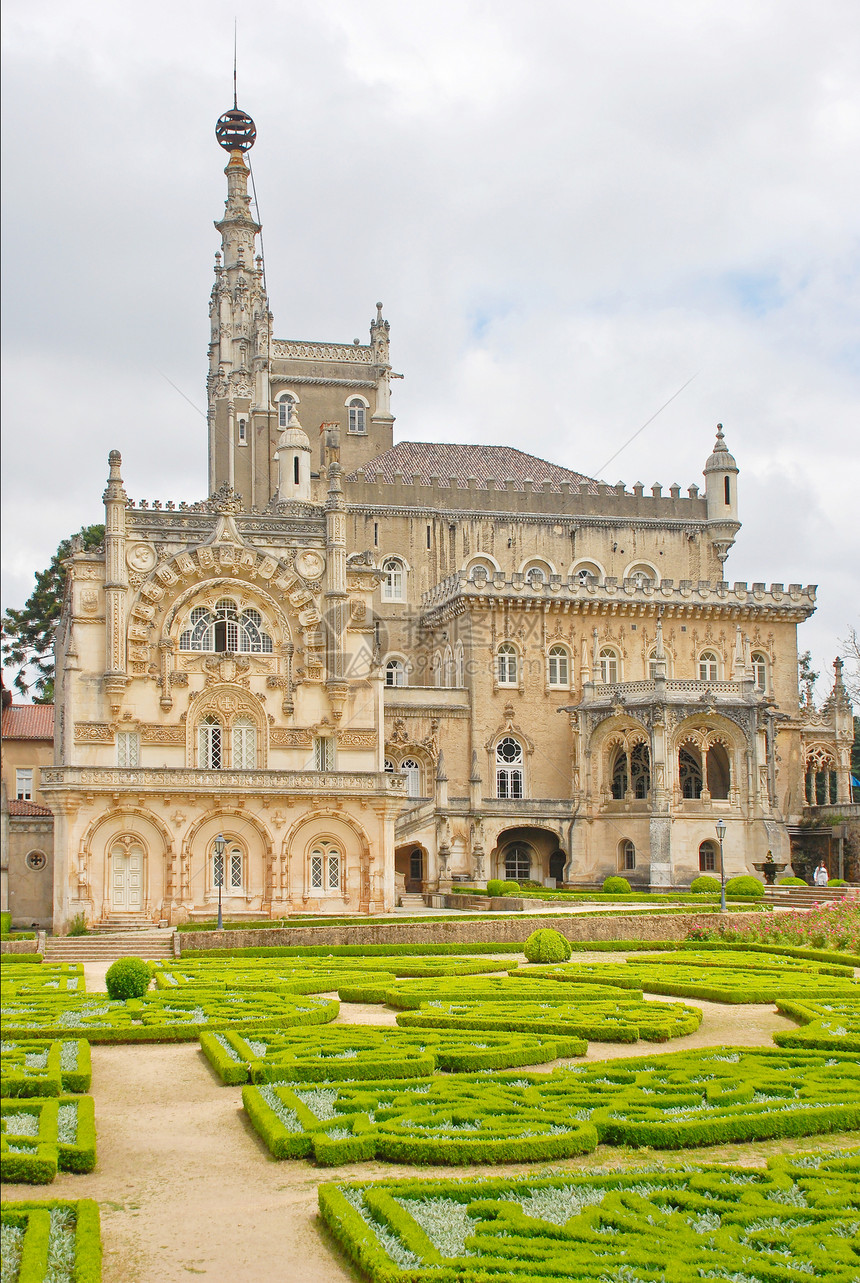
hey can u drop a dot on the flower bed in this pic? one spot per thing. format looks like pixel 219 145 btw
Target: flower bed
pixel 162 1017
pixel 690 1098
pixel 58 1241
pixel 833 1025
pixel 44 1068
pixel 363 1052
pixel 828 926
pixel 796 1219
pixel 43 1135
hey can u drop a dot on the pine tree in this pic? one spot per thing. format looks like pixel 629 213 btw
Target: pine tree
pixel 28 633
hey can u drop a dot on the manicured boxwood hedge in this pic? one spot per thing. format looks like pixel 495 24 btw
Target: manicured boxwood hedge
pixel 410 994
pixel 162 1017
pixel 45 1068
pixel 795 1220
pixel 343 1052
pixel 33 1230
pixel 45 1134
pixel 50 977
pixel 356 950
pixel 680 1100
pixel 834 1024
pixel 609 1019
pixel 312 975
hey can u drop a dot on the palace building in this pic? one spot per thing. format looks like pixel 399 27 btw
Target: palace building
pixel 377 667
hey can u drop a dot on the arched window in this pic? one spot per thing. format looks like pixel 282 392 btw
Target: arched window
pixel 559 666
pixel 707 857
pixel 394 581
pixel 395 673
pixel 357 413
pixel 718 772
pixel 461 665
pixel 709 666
pixel 652 666
pixel 626 856
pixel 586 570
pixel 244 745
pixel 325 866
pixel 209 745
pixel 509 768
pixel 388 766
pixel 535 577
pixel 228 867
pixel 518 861
pixel 449 670
pixel 225 628
pixel 412 770
pixel 759 668
pixel 643 576
pixel 437 669
pixel 506 664
pixel 640 771
pixel 619 776
pixel 690 773
pixel 285 409
pixel 608 661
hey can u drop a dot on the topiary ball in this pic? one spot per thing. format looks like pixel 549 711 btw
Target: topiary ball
pixel 547 945
pixel 746 886
pixel 511 888
pixel 495 886
pixel 127 978
pixel 792 882
pixel 702 884
pixel 617 886
pixel 837 882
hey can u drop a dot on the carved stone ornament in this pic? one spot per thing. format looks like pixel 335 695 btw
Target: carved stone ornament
pixel 356 739
pixel 226 668
pixel 399 734
pixel 290 737
pixel 310 564
pixel 141 557
pixel 93 733
pixel 89 601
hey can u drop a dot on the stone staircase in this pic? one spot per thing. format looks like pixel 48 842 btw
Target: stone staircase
pixel 807 897
pixel 152 944
pixel 412 902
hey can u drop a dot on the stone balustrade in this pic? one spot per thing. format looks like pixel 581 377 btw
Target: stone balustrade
pixel 114 779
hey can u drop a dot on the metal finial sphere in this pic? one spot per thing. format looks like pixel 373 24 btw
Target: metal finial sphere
pixel 235 130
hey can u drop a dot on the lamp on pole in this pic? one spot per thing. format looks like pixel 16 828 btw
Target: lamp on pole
pixel 721 833
pixel 218 847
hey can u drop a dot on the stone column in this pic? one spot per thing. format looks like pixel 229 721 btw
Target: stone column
pixel 116 586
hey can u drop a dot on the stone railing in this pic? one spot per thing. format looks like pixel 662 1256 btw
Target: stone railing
pixel 296 350
pixel 97 779
pixel 686 688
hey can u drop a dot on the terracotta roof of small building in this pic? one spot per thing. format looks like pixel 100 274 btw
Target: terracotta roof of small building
pixel 28 722
pixel 17 807
pixel 499 463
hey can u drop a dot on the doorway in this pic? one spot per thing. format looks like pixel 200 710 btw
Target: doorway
pixel 127 879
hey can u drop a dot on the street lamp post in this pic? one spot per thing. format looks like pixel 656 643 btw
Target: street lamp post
pixel 721 833
pixel 218 847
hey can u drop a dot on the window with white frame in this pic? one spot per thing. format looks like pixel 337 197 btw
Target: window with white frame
pixel 709 666
pixel 412 770
pixel 626 856
pixel 394 581
pixel 586 570
pixel 559 666
pixel 24 785
pixel 707 857
pixel 226 628
pixel 608 665
pixel 228 868
pixel 449 670
pixel 395 673
pixel 242 435
pixel 535 576
pixel 285 409
pixel 244 745
pixel 642 575
pixel 325 867
pixel 518 861
pixel 357 412
pixel 324 753
pixel 509 768
pixel 759 668
pixel 506 664
pixel 652 666
pixel 127 748
pixel 210 744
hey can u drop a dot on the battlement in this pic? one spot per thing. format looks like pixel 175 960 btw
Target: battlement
pixel 626 596
pixel 299 350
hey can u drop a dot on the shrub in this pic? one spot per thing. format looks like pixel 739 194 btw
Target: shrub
pixel 837 882
pixel 510 887
pixel 746 887
pixel 547 945
pixel 5 923
pixel 704 884
pixel 78 925
pixel 494 886
pixel 128 978
pixel 792 882
pixel 617 886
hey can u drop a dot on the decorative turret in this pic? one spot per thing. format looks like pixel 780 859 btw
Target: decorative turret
pixel 116 584
pixel 721 495
pixel 293 457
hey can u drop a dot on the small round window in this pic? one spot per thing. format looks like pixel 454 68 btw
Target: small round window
pixel 36 860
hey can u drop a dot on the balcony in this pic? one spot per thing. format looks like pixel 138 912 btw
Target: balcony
pixel 115 779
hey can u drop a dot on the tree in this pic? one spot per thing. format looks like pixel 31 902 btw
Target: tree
pixel 851 656
pixel 806 675
pixel 28 633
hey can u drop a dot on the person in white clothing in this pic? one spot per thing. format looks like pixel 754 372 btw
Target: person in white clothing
pixel 820 876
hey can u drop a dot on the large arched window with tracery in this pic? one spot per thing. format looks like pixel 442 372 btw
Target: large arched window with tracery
pixel 506 664
pixel 690 776
pixel 326 866
pixel 631 771
pixel 226 628
pixel 509 768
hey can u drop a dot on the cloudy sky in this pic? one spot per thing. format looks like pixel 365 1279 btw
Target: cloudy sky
pixel 569 209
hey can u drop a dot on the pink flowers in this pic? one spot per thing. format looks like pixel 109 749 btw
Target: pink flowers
pixel 828 926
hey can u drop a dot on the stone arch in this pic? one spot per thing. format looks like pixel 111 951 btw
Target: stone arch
pixel 92 878
pixel 705 753
pixel 195 881
pixel 228 702
pixel 536 842
pixel 357 882
pixel 820 767
pixel 221 586
pixel 624 752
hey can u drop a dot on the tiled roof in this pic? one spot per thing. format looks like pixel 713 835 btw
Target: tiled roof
pixel 498 463
pixel 28 722
pixel 28 808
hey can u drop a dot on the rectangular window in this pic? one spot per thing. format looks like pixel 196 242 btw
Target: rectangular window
pixel 243 432
pixel 324 753
pixel 127 748
pixel 217 870
pixel 376 534
pixel 428 536
pixel 24 785
pixel 235 874
pixel 509 782
pixel 333 871
pixel 317 872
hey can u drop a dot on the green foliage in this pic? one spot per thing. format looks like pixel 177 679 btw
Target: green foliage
pixel 832 1025
pixel 795 1220
pixel 595 1014
pixel 700 1097
pixel 547 945
pixel 616 886
pixel 5 923
pixel 28 633
pixel 356 950
pixel 837 882
pixel 37 1229
pixel 19 976
pixel 703 884
pixel 793 882
pixel 78 925
pixel 495 886
pixel 45 1134
pixel 128 978
pixel 44 1068
pixel 745 887
pixel 831 927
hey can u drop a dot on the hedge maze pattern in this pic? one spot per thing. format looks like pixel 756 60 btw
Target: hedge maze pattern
pixel 58 1240
pixel 364 1052
pixel 597 1020
pixel 42 1135
pixel 47 977
pixel 831 1025
pixel 668 1102
pixel 795 1220
pixel 44 1068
